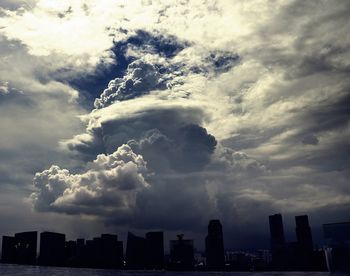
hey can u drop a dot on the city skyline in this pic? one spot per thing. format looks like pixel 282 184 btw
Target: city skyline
pixel 144 115
pixel 201 246
pixel 148 252
pixel 199 237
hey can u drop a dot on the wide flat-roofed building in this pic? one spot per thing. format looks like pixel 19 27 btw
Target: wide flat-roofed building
pixel 52 249
pixel 8 252
pixel 26 247
pixel 181 254
pixel 337 237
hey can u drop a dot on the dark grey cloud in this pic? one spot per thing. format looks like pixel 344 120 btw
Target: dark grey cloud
pixel 234 123
pixel 182 160
pixel 17 98
pixel 205 172
pixel 189 148
pixel 165 45
pixel 222 61
pixel 331 115
pixel 315 38
pixel 104 137
pixel 65 13
pixel 173 187
pixel 36 113
pixel 310 140
pixel 17 4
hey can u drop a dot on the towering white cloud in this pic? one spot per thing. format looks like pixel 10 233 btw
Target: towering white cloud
pixel 107 186
pixel 140 78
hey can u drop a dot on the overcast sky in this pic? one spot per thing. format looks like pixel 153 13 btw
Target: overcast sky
pixel 139 115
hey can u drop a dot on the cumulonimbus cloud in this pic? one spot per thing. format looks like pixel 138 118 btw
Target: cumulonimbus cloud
pixel 246 118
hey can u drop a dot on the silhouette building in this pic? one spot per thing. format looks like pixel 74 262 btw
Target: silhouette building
pixel 97 253
pixel 78 259
pixel 337 234
pixel 238 261
pixel 70 252
pixel 8 250
pixel 52 249
pixel 181 254
pixel 337 237
pixel 154 250
pixel 303 232
pixel 26 247
pixel 298 255
pixel 111 251
pixel 100 252
pixel 147 252
pixel 89 253
pixel 305 246
pixel 135 252
pixel 214 246
pixel 278 243
pixel 20 249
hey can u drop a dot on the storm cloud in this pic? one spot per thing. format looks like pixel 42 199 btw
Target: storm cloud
pixel 233 110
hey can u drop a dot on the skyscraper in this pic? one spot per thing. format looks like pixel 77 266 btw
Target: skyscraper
pixel 52 249
pixel 214 246
pixel 304 252
pixel 111 251
pixel 95 252
pixel 135 252
pixel 154 250
pixel 278 244
pixel 303 232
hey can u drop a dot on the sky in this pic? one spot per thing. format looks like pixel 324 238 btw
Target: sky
pixel 139 115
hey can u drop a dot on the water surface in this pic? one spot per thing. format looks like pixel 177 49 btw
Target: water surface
pixel 21 270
